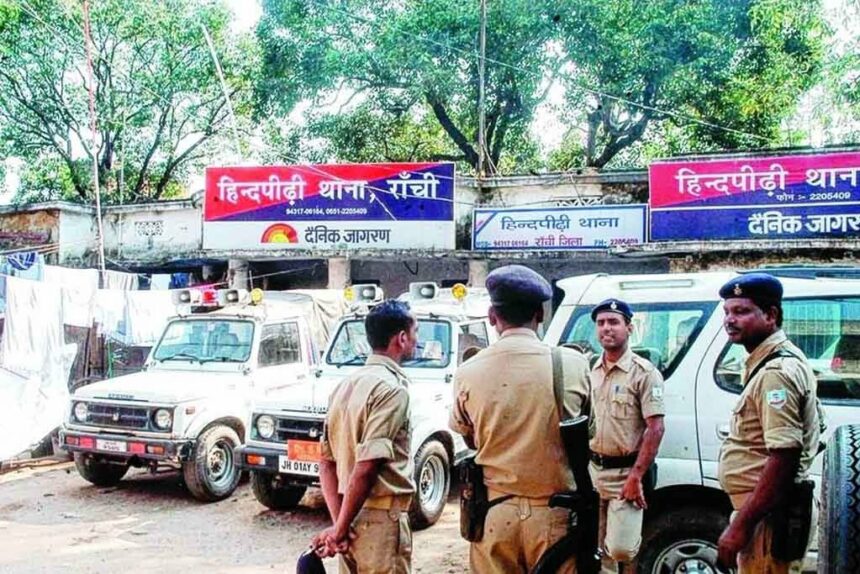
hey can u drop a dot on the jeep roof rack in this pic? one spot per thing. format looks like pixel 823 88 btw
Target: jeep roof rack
pixel 811 271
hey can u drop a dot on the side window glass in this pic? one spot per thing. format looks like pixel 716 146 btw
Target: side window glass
pixel 662 333
pixel 472 335
pixel 828 333
pixel 280 345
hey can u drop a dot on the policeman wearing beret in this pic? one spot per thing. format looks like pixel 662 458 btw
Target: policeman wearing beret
pixel 505 408
pixel 774 431
pixel 627 393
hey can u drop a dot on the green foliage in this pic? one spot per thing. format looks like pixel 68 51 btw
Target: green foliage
pixel 416 57
pixel 48 179
pixel 738 63
pixel 159 102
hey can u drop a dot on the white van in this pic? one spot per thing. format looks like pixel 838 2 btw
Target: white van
pixel 678 327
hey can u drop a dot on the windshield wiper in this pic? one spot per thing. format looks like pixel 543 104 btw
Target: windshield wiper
pixel 181 356
pixel 221 359
pixel 351 361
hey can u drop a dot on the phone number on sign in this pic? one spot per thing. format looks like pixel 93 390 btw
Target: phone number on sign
pixel 326 211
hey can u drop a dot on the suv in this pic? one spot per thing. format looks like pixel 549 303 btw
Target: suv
pixel 678 327
pixel 282 437
pixel 186 408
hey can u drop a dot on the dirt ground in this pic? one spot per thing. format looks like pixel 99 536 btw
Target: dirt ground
pixel 51 520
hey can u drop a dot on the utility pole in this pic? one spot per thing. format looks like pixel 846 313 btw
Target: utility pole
pixel 95 153
pixel 482 61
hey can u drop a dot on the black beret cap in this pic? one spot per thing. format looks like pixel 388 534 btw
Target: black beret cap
pixel 754 286
pixel 517 284
pixel 614 306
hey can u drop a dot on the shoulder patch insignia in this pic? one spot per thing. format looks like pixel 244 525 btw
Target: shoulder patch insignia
pixel 776 398
pixel 657 393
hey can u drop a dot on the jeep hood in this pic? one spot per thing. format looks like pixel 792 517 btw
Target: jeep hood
pixel 163 387
pixel 310 396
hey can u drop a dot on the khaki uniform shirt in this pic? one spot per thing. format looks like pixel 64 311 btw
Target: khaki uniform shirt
pixel 778 408
pixel 368 419
pixel 504 401
pixel 624 395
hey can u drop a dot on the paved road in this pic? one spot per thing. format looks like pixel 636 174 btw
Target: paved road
pixel 51 520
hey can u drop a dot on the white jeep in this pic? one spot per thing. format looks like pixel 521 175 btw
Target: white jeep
pixel 186 409
pixel 678 327
pixel 282 437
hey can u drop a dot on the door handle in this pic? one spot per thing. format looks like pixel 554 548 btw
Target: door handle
pixel 723 431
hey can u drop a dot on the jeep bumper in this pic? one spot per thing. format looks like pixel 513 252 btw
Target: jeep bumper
pixel 125 448
pixel 270 461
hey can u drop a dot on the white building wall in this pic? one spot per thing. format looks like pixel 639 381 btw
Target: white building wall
pixel 153 232
pixel 77 236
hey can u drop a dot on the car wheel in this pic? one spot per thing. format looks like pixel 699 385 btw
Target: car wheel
pixel 210 475
pixel 682 540
pixel 839 527
pixel 270 493
pixel 97 472
pixel 432 482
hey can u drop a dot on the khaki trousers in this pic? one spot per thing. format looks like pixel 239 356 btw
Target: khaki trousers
pixel 620 533
pixel 756 558
pixel 383 543
pixel 516 533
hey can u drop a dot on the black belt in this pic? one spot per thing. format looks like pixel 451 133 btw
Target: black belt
pixel 614 461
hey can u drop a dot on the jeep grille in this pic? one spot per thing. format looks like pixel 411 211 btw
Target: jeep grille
pixel 290 428
pixel 119 416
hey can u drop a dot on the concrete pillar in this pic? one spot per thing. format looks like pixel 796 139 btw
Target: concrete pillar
pixel 478 270
pixel 339 274
pixel 237 273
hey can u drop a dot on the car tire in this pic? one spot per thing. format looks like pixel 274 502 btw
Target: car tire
pixel 210 475
pixel 432 483
pixel 682 540
pixel 839 527
pixel 272 495
pixel 97 472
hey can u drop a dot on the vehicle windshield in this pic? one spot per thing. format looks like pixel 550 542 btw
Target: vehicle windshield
pixel 350 347
pixel 204 340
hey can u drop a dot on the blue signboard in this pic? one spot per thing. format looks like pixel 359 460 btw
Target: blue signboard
pixel 789 197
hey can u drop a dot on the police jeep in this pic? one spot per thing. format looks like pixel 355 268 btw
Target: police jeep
pixel 282 447
pixel 678 327
pixel 186 409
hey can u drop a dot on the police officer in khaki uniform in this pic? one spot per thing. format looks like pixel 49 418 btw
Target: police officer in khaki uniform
pixel 627 393
pixel 366 469
pixel 774 431
pixel 505 408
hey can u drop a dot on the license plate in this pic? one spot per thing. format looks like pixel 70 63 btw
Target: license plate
pixel 303 457
pixel 111 445
pixel 289 466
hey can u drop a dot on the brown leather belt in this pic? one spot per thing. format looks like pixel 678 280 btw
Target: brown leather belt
pixel 609 462
pixel 400 502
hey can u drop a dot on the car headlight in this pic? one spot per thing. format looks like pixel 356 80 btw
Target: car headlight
pixel 81 412
pixel 163 418
pixel 266 426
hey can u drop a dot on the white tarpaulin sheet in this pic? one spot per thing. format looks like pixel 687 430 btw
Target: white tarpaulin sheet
pixel 321 307
pixel 33 333
pixel 120 280
pixel 146 314
pixel 35 365
pixel 79 288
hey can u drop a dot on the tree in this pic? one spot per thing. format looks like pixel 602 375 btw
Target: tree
pixel 624 65
pixel 401 57
pixel 159 102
